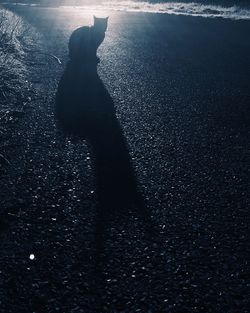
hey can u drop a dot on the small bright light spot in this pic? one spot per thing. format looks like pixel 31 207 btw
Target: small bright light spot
pixel 32 256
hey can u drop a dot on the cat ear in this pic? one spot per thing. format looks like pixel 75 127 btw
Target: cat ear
pixel 107 18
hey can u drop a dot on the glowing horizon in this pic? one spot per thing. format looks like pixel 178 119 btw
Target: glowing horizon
pixel 102 7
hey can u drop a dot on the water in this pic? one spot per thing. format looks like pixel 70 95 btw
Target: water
pixel 234 12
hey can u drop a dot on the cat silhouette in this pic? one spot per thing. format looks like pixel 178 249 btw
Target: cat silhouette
pixel 84 41
pixel 85 110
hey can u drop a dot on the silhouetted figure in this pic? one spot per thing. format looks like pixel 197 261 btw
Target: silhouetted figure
pixel 84 41
pixel 85 108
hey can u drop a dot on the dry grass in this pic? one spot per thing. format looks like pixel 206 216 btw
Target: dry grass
pixel 14 38
pixel 12 34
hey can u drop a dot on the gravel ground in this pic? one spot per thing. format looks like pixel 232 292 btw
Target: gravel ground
pixel 181 90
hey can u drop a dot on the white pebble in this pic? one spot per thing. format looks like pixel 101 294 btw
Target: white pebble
pixel 32 256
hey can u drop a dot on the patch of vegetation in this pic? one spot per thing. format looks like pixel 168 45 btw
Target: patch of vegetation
pixel 12 68
pixel 15 37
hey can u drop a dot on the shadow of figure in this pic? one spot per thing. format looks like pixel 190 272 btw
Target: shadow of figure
pixel 85 108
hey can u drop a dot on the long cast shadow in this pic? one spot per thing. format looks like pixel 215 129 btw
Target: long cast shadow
pixel 85 108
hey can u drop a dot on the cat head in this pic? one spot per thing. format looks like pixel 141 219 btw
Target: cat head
pixel 101 24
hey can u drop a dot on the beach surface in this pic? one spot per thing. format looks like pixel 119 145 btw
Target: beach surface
pixel 181 90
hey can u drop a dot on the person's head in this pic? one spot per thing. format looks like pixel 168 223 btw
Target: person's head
pixel 100 24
